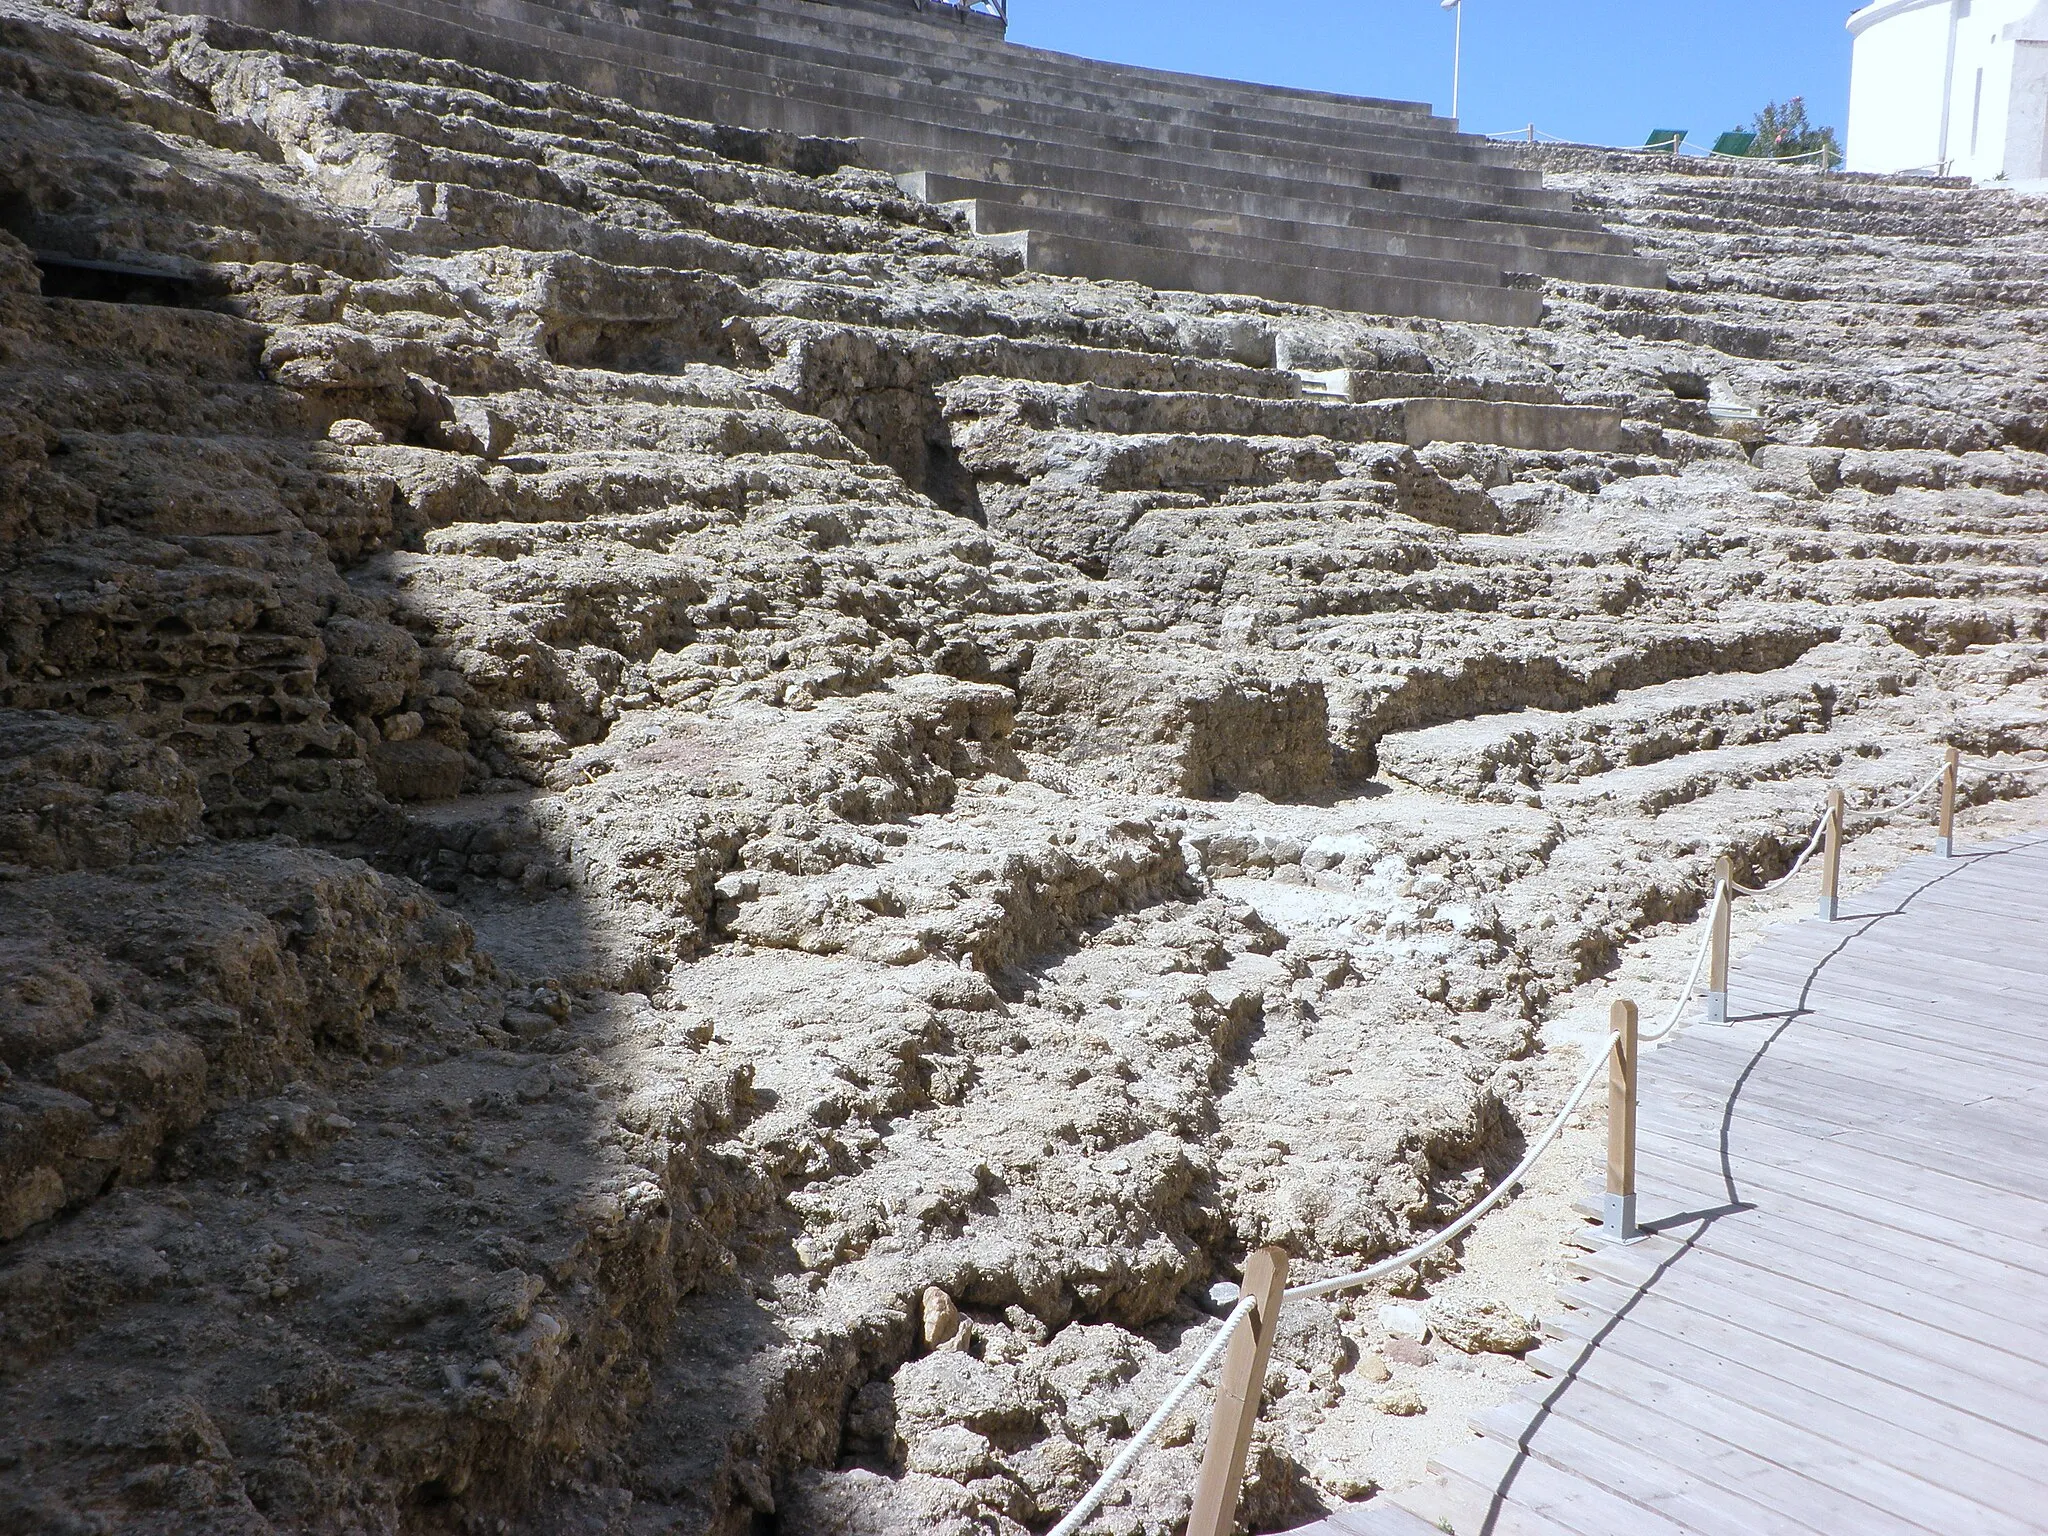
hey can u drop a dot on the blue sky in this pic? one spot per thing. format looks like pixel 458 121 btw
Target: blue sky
pixel 1601 71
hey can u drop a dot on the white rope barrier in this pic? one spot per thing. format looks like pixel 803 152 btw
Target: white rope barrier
pixel 1724 891
pixel 1092 1499
pixel 1436 1240
pixel 1911 795
pixel 1820 832
pixel 1721 893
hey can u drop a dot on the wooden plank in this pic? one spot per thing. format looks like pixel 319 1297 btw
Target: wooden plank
pixel 1971 1186
pixel 1382 1517
pixel 1858 1350
pixel 1899 1045
pixel 1888 946
pixel 1751 1473
pixel 1973 1142
pixel 1969 1189
pixel 1452 1503
pixel 1524 1483
pixel 1658 1464
pixel 1873 1079
pixel 1835 1441
pixel 1792 1276
pixel 1664 1155
pixel 1892 1361
pixel 1971 929
pixel 1850 976
pixel 1958 1453
pixel 1830 1237
pixel 1963 1454
pixel 1758 1015
pixel 1817 1157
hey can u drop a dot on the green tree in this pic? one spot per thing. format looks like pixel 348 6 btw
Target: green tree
pixel 1784 132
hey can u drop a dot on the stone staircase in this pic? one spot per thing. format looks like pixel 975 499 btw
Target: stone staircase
pixel 1082 168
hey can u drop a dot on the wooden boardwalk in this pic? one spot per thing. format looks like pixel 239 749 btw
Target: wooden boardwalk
pixel 1840 1324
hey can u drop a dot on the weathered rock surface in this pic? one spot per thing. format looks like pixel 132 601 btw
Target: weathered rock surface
pixel 674 851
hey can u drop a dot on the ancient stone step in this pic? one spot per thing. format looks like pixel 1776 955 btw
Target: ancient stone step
pixel 981 411
pixel 811 358
pixel 1090 408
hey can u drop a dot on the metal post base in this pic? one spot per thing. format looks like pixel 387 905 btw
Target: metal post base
pixel 1944 847
pixel 1717 1007
pixel 1827 908
pixel 1618 1220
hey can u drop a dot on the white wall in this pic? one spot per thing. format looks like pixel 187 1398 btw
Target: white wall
pixel 1987 60
pixel 1895 85
pixel 2026 125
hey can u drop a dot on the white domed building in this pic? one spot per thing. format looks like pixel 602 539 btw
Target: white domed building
pixel 1954 86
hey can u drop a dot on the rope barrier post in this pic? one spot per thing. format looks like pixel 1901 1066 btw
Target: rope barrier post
pixel 1237 1397
pixel 1717 966
pixel 1618 1210
pixel 1831 860
pixel 1945 837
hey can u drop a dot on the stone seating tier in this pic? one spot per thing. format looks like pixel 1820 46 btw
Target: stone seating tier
pixel 1083 168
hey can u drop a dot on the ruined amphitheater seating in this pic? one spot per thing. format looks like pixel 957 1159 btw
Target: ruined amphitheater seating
pixel 1083 168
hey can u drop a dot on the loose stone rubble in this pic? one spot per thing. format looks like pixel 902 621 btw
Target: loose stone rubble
pixel 677 855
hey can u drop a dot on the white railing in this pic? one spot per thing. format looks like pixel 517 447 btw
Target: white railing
pixel 1245 1339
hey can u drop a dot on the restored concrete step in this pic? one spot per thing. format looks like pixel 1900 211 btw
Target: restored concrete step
pixel 953 137
pixel 837 93
pixel 1276 196
pixel 1074 256
pixel 1200 239
pixel 837 99
pixel 1362 247
pixel 1282 201
pixel 922 38
pixel 923 96
pixel 1005 72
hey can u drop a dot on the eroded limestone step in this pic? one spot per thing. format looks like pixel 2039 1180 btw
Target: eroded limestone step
pixel 813 359
pixel 1651 788
pixel 1507 756
pixel 1416 421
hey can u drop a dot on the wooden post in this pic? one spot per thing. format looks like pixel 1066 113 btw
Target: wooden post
pixel 1831 860
pixel 1237 1397
pixel 1945 836
pixel 1717 962
pixel 1618 1223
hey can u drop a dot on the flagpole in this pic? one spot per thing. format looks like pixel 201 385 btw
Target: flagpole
pixel 1457 49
